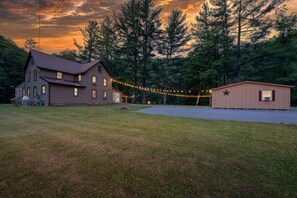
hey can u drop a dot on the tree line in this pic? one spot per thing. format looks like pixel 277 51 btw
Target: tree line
pixel 229 41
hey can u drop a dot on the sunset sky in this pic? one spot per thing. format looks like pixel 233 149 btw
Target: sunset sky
pixel 61 19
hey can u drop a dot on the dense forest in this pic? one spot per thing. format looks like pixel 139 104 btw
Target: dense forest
pixel 230 41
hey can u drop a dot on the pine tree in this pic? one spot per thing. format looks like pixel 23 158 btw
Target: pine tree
pixel 87 52
pixel 174 39
pixel 129 32
pixel 203 72
pixel 106 41
pixel 150 25
pixel 221 12
pixel 252 24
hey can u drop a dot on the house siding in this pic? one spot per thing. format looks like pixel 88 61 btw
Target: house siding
pixel 246 96
pixel 59 94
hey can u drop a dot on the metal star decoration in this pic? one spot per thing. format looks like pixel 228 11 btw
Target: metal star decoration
pixel 226 92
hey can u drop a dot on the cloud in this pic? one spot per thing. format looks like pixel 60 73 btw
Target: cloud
pixel 62 19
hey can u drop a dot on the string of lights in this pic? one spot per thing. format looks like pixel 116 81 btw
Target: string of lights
pixel 170 92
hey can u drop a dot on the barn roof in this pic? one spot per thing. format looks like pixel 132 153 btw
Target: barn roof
pixel 51 62
pixel 251 82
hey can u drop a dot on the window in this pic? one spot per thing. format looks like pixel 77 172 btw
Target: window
pixel 104 82
pixel 35 74
pixel 23 91
pixel 94 93
pixel 43 90
pixel 28 91
pixel 32 61
pixel 75 92
pixel 104 94
pixel 94 80
pixel 79 78
pixel 34 91
pixel 267 95
pixel 116 97
pixel 59 75
pixel 29 77
pixel 99 69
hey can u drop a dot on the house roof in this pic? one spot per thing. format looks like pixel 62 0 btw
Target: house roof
pixel 21 85
pixel 51 62
pixel 116 89
pixel 61 82
pixel 251 82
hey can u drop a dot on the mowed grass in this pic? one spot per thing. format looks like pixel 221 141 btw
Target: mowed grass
pixel 102 151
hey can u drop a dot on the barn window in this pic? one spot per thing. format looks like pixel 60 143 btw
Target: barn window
pixel 43 90
pixel 32 61
pixel 267 95
pixel 59 75
pixel 116 97
pixel 104 82
pixel 104 94
pixel 94 80
pixel 75 92
pixel 29 77
pixel 35 75
pixel 94 93
pixel 34 92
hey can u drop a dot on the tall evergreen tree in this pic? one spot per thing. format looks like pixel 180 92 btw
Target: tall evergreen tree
pixel 12 59
pixel 252 24
pixel 129 31
pixel 106 41
pixel 174 39
pixel 203 73
pixel 221 12
pixel 150 28
pixel 87 52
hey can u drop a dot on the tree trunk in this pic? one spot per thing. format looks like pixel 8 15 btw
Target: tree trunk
pixel 166 78
pixel 135 76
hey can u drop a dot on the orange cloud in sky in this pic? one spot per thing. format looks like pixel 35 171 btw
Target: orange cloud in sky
pixel 61 19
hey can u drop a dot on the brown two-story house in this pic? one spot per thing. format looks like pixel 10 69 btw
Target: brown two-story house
pixel 51 80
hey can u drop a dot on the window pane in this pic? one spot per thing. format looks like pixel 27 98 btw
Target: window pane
pixel 34 92
pixel 75 91
pixel 266 95
pixel 29 77
pixel 94 93
pixel 104 94
pixel 104 82
pixel 94 79
pixel 35 75
pixel 59 75
pixel 43 91
pixel 79 78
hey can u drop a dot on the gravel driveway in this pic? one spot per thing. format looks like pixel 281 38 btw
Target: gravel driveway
pixel 271 116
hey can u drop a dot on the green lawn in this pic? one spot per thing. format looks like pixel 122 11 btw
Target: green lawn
pixel 101 151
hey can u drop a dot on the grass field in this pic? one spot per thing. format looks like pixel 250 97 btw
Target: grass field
pixel 101 151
